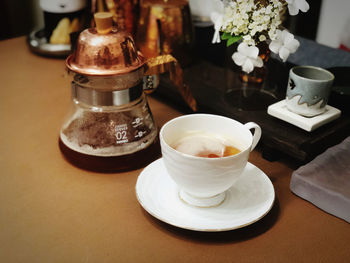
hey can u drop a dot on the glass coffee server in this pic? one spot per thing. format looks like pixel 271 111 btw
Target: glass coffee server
pixel 111 127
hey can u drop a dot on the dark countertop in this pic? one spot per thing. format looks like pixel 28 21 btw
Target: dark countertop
pixel 215 83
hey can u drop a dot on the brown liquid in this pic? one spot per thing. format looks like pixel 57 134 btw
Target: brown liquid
pixel 229 150
pixel 203 144
pixel 114 163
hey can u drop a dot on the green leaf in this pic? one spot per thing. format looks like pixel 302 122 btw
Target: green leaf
pixel 232 40
pixel 226 36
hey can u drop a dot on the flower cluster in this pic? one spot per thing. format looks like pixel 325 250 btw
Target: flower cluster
pixel 252 22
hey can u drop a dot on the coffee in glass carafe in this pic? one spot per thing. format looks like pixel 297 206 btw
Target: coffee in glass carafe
pixel 109 130
pixel 111 127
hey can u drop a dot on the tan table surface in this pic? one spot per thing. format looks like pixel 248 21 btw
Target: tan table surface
pixel 51 211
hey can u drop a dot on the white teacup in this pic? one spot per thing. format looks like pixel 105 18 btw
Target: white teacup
pixel 203 181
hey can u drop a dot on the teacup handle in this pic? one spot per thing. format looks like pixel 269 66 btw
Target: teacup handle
pixel 257 133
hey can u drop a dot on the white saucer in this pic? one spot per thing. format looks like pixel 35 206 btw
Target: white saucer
pixel 250 199
pixel 279 110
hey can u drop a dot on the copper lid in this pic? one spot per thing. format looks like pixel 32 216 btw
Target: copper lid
pixel 104 50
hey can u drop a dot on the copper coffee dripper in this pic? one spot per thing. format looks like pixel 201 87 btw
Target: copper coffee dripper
pixel 108 51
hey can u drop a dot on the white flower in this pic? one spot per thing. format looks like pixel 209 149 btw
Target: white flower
pixel 247 57
pixel 295 5
pixel 284 45
pixel 255 22
pixel 262 38
pixel 217 17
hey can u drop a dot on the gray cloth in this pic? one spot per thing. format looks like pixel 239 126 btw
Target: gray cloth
pixel 325 181
pixel 314 54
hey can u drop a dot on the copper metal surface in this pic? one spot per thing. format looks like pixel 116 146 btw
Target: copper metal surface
pixel 115 54
pixel 165 27
pixel 105 54
pixel 167 63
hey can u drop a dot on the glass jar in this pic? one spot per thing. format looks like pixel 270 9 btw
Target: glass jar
pixel 110 127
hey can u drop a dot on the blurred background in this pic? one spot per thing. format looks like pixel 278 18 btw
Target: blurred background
pixel 19 17
pixel 327 22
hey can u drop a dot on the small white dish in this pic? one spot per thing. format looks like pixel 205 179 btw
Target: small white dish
pixel 250 199
pixel 280 111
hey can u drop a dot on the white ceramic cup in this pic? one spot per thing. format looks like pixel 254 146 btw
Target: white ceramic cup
pixel 203 181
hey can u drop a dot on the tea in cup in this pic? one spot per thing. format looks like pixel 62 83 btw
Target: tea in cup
pixel 205 154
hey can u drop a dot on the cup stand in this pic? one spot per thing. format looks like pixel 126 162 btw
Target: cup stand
pixel 212 201
pixel 280 111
